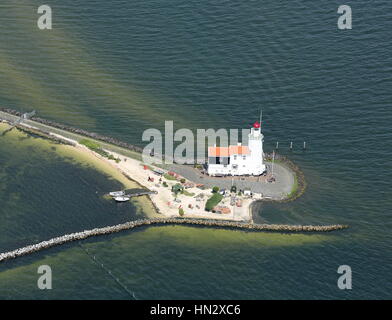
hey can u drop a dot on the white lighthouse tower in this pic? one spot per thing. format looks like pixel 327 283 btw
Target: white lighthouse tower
pixel 255 144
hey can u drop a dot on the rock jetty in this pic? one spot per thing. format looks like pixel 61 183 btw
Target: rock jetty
pixel 78 131
pixel 162 221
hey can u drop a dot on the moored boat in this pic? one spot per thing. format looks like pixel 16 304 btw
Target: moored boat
pixel 121 198
pixel 117 193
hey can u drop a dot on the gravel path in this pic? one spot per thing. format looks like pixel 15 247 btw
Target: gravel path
pixel 276 190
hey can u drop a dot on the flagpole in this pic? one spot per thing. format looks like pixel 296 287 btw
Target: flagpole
pixel 261 115
pixel 273 160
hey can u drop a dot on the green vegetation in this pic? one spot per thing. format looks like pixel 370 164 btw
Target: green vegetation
pixel 215 189
pixel 169 177
pixel 177 188
pixel 147 166
pixel 187 193
pixel 97 148
pixel 213 201
pixel 182 180
pixel 111 157
pixel 165 184
pixel 90 144
pixel 278 161
pixel 294 189
pixel 181 212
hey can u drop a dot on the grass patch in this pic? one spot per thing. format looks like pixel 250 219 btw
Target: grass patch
pixel 169 177
pixel 187 193
pixel 147 166
pixel 181 212
pixel 294 189
pixel 213 201
pixel 90 144
pixel 277 161
pixel 96 147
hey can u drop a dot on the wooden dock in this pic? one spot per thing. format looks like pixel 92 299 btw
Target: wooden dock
pixel 139 193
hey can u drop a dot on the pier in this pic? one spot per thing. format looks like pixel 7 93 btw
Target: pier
pixel 139 193
pixel 126 195
pixel 162 221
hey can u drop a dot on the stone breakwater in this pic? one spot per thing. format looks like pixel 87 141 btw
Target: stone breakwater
pixel 82 132
pixel 161 221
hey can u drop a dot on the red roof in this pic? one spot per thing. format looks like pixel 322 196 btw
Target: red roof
pixel 239 150
pixel 227 151
pixel 218 151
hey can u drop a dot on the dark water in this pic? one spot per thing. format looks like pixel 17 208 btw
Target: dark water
pixel 120 67
pixel 44 194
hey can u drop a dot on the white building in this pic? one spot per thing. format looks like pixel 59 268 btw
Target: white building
pixel 238 160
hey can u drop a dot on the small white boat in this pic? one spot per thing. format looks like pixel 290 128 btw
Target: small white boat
pixel 121 198
pixel 117 193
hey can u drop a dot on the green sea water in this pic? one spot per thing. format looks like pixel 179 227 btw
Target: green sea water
pixel 120 67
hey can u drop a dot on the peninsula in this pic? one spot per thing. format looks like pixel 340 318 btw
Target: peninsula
pixel 178 190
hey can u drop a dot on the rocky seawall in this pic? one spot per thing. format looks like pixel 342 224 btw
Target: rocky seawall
pixel 301 182
pixel 162 221
pixel 77 131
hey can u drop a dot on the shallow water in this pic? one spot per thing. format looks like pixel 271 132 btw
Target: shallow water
pixel 120 67
pixel 48 189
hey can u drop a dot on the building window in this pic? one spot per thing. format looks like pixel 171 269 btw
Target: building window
pixel 235 157
pixel 243 157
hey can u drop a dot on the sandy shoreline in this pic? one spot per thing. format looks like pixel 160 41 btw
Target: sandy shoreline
pixel 131 172
pixel 163 203
pixel 164 199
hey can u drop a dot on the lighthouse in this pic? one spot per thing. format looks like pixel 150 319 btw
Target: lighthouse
pixel 255 144
pixel 239 160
